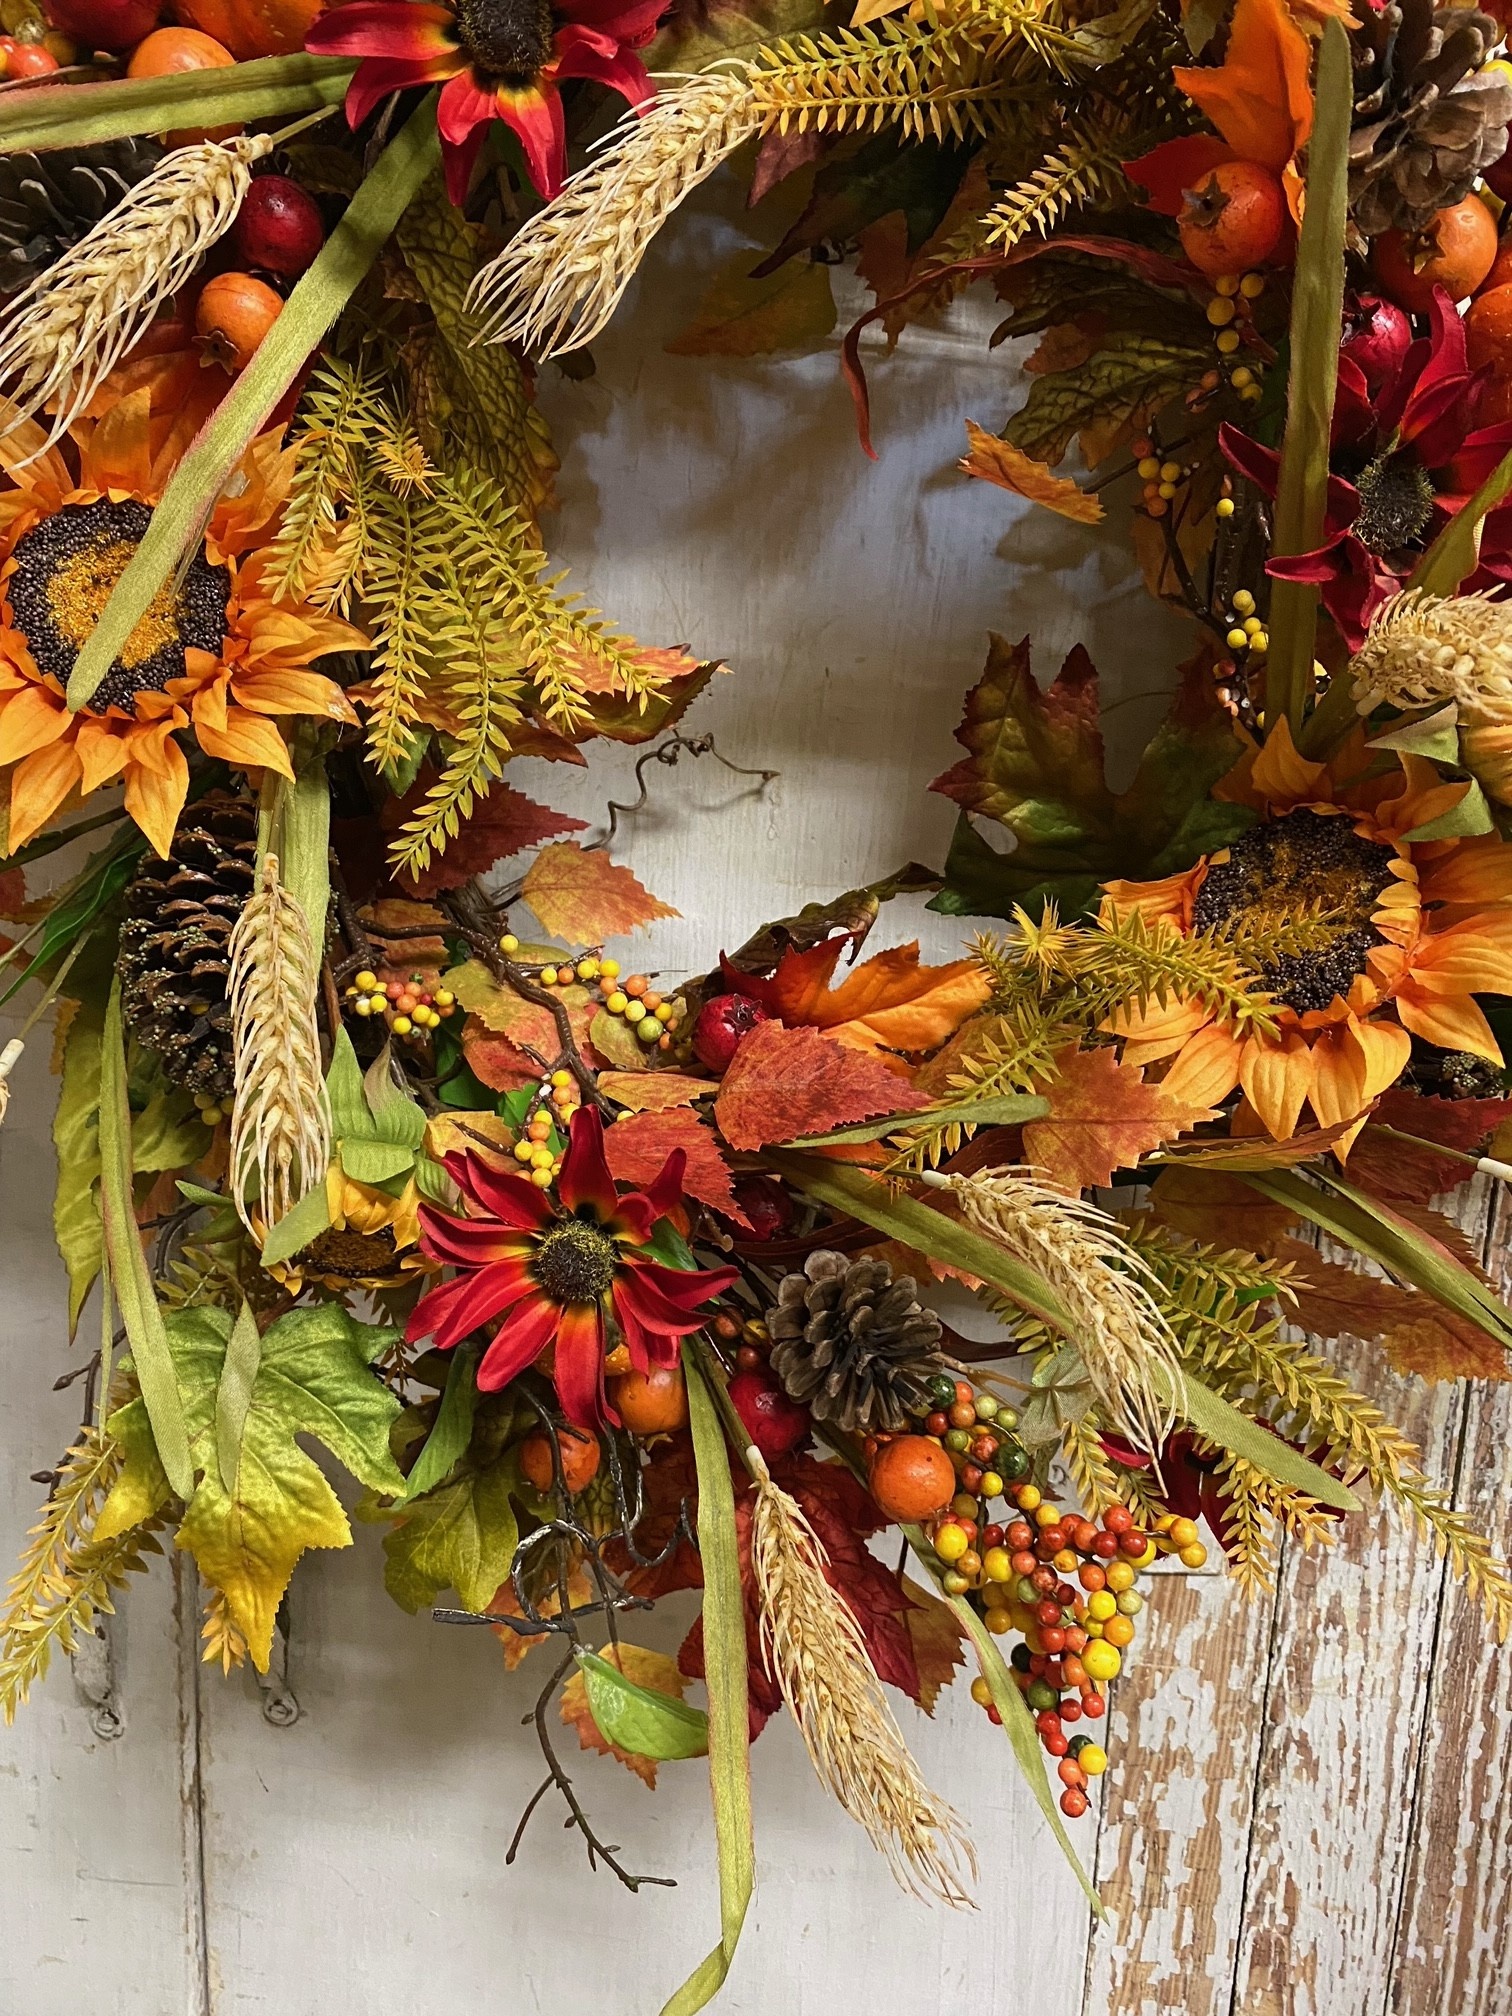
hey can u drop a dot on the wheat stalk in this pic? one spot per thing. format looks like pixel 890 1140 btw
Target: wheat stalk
pixel 1130 1353
pixel 68 330
pixel 815 1651
pixel 281 1117
pixel 225 1646
pixel 1422 651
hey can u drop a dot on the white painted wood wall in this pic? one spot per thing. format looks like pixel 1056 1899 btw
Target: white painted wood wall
pixel 1305 1811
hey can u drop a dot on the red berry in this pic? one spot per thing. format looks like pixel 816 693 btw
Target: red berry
pixel 1019 1534
pixel 1053 1638
pixel 1023 1562
pixel 279 227
pixel 722 1025
pixel 1073 1802
pixel 1070 1709
pixel 1046 1722
pixel 774 1423
pixel 29 59
pixel 993 1716
pixel 1234 219
pixel 1118 1519
pixel 1105 1546
pixel 1056 1743
pixel 992 1536
pixel 936 1423
pixel 116 25
pixel 1094 1705
pixel 1133 1543
pixel 768 1211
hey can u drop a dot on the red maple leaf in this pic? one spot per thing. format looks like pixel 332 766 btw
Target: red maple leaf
pixel 784 1083
pixel 1391 1167
pixel 1103 1116
pixel 580 895
pixel 638 1145
pixel 504 823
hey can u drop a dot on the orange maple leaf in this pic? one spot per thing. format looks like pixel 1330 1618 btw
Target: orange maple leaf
pixel 1103 1116
pixel 657 1671
pixel 654 1091
pixel 784 1083
pixel 1435 1343
pixel 638 1145
pixel 890 1002
pixel 584 897
pixel 1259 97
pixel 995 460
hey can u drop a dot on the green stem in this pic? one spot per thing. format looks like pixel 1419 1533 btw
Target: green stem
pixel 1316 321
pixel 1331 721
pixel 179 520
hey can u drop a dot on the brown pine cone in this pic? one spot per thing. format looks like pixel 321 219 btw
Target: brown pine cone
pixel 852 1344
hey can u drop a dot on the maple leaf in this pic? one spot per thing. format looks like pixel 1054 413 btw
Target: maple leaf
pixel 548 1602
pixel 259 1500
pixel 504 822
pixel 1219 1210
pixel 584 897
pixel 751 315
pixel 937 1640
pixel 638 1145
pixel 654 1091
pixel 399 914
pixel 1419 1335
pixel 1035 764
pixel 1103 1116
pixel 1403 1170
pixel 784 1083
pixel 498 1008
pixel 889 1002
pixel 1437 1344
pixel 462 1535
pixel 496 1062
pixel 664 663
pixel 654 1670
pixel 997 461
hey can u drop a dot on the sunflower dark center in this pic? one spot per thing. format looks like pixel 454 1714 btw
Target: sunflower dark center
pixel 1278 869
pixel 1396 502
pixel 349 1256
pixel 508 40
pixel 65 570
pixel 575 1262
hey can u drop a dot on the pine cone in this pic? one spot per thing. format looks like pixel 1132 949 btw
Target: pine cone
pixel 180 914
pixel 1425 123
pixel 852 1344
pixel 48 201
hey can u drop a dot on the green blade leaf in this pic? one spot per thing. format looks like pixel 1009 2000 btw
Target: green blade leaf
pixel 1316 317
pixel 1216 1421
pixel 129 1274
pixel 309 312
pixel 78 115
pixel 1455 553
pixel 729 1698
pixel 1009 1111
pixel 452 1429
pixel 233 1395
pixel 306 1221
pixel 637 1718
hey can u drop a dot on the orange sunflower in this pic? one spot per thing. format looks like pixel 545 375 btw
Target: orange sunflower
pixel 1416 928
pixel 213 655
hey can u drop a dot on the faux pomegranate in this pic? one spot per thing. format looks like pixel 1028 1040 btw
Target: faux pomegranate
pixel 1234 219
pixel 721 1025
pixel 651 1403
pixel 1378 337
pixel 253 27
pixel 911 1477
pixel 116 25
pixel 279 227
pixel 1455 251
pixel 169 50
pixel 580 1459
pixel 774 1423
pixel 234 314
pixel 766 1205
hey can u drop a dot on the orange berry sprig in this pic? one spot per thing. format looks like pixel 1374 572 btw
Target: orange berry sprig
pixel 410 1009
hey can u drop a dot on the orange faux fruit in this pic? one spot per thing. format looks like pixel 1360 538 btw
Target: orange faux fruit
pixel 1234 219
pixel 911 1477
pixel 580 1459
pixel 234 313
pixel 253 27
pixel 168 50
pixel 1488 330
pixel 650 1403
pixel 1455 251
pixel 1501 268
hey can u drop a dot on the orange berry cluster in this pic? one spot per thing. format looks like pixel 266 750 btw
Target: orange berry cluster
pixel 540 1146
pixel 410 1009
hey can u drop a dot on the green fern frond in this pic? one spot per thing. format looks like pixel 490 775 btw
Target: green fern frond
pixel 398 603
pixel 339 414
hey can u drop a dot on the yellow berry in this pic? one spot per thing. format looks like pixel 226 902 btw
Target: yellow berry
pixel 541 1158
pixel 1220 312
pixel 1150 1554
pixel 1227 285
pixel 1252 286
pixel 1148 467
pixel 1166 490
pixel 617 1002
pixel 664 1012
pixel 1251 394
pixel 523 1151
pixel 541 1178
pixel 444 998
pixel 402 1025
pixel 981 1693
pixel 1028 1498
pixel 1242 377
pixel 1093 1759
pixel 366 981
pixel 951 1542
pixel 548 976
pixel 1119 1631
pixel 1236 640
pixel 996 1565
pixel 991 1485
pixel 1101 1606
pixel 1170 472
pixel 363 1005
pixel 1252 626
pixel 1044 1514
pixel 609 968
pixel 1183 1532
pixel 509 942
pixel 588 969
pixel 1193 1556
pixel 1224 507
pixel 648 1029
pixel 634 1011
pixel 561 1078
pixel 1244 602
pixel 1260 643
pixel 1101 1660
pixel 1119 1575
pixel 1228 342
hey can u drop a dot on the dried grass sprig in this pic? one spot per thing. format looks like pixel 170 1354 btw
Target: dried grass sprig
pixel 69 329
pixel 225 1645
pixel 1130 1354
pixel 818 1657
pixel 281 1116
pixel 66 1576
pixel 1422 651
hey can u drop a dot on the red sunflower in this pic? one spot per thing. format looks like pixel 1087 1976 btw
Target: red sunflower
pixel 569 1277
pixel 494 59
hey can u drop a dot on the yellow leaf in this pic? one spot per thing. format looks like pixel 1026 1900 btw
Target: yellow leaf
pixel 581 895
pixel 653 1091
pixel 997 461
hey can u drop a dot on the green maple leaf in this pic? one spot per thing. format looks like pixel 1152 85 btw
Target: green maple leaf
pixel 1035 765
pixel 259 1500
pixel 460 1536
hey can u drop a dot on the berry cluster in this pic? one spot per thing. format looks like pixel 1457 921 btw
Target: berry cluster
pixel 1246 632
pixel 652 1018
pixel 543 1138
pixel 410 1009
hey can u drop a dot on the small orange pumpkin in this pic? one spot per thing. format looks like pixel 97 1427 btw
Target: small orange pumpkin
pixel 252 27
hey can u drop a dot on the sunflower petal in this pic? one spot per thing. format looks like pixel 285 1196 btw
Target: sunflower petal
pixel 39 784
pixel 155 796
